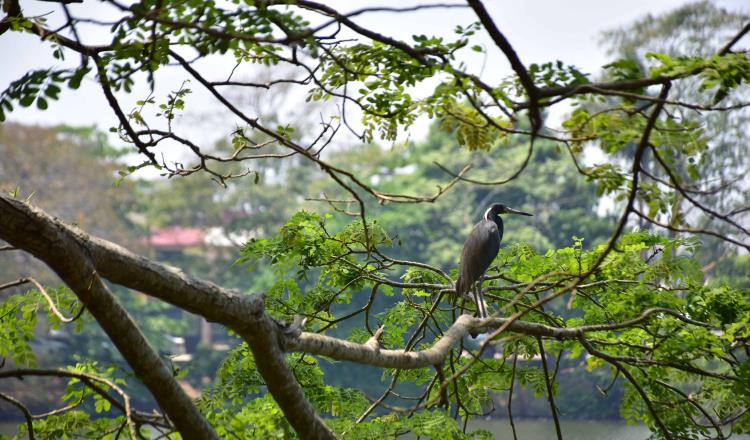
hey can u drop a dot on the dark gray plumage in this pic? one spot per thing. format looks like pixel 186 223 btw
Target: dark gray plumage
pixel 480 249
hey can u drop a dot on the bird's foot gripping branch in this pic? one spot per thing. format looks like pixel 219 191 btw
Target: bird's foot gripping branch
pixel 646 315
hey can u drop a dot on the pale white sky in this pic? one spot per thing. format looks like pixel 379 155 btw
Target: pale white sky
pixel 540 31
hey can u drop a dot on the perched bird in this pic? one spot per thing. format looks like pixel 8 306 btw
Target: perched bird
pixel 480 249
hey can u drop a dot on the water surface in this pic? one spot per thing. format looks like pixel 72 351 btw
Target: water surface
pixel 574 430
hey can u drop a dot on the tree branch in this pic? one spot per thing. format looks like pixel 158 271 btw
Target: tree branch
pixel 26 413
pixel 90 381
pixel 31 230
pixel 53 243
pixel 515 62
pixel 64 248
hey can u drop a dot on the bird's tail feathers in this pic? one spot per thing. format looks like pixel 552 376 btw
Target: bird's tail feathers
pixel 462 290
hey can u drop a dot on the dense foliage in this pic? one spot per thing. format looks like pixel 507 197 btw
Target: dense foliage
pixel 352 258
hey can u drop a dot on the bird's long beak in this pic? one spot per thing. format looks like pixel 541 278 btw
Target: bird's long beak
pixel 515 211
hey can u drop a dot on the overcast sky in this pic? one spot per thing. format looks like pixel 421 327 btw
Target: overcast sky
pixel 540 31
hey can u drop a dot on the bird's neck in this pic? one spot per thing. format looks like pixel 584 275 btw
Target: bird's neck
pixel 499 222
pixel 490 216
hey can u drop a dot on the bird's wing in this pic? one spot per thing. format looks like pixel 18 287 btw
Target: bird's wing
pixel 480 249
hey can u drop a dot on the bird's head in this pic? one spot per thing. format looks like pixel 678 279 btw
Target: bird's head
pixel 496 209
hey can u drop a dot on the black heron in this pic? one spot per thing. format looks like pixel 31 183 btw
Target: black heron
pixel 480 248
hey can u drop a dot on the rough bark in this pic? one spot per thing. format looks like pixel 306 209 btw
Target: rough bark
pixel 54 245
pixel 72 254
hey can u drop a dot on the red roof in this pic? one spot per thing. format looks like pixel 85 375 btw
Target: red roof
pixel 176 237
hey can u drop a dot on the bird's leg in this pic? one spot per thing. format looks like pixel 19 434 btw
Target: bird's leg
pixel 479 300
pixel 476 300
pixel 459 304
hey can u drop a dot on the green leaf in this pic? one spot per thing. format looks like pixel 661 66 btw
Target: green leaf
pixel 27 100
pixel 52 91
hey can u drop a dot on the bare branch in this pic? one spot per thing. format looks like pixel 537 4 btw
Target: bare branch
pixel 18 282
pixel 26 413
pixel 690 230
pixel 675 181
pixel 636 169
pixel 728 47
pixel 510 397
pixel 47 297
pixel 572 90
pixel 629 376
pixel 91 381
pixel 691 401
pixel 115 105
pixel 548 384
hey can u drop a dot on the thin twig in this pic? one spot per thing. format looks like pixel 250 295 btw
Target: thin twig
pixel 26 413
pixel 548 385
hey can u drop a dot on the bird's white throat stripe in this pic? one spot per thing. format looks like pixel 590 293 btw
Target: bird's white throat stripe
pixel 487 214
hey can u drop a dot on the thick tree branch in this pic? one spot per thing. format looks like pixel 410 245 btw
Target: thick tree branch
pixel 56 246
pixel 12 10
pixel 61 246
pixel 577 89
pixel 515 62
pixel 728 47
pixel 340 349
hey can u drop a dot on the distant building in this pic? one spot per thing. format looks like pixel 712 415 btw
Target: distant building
pixel 172 242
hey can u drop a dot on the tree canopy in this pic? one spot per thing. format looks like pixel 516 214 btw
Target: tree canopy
pixel 355 244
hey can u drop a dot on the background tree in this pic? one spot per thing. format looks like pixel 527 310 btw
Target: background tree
pixel 696 28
